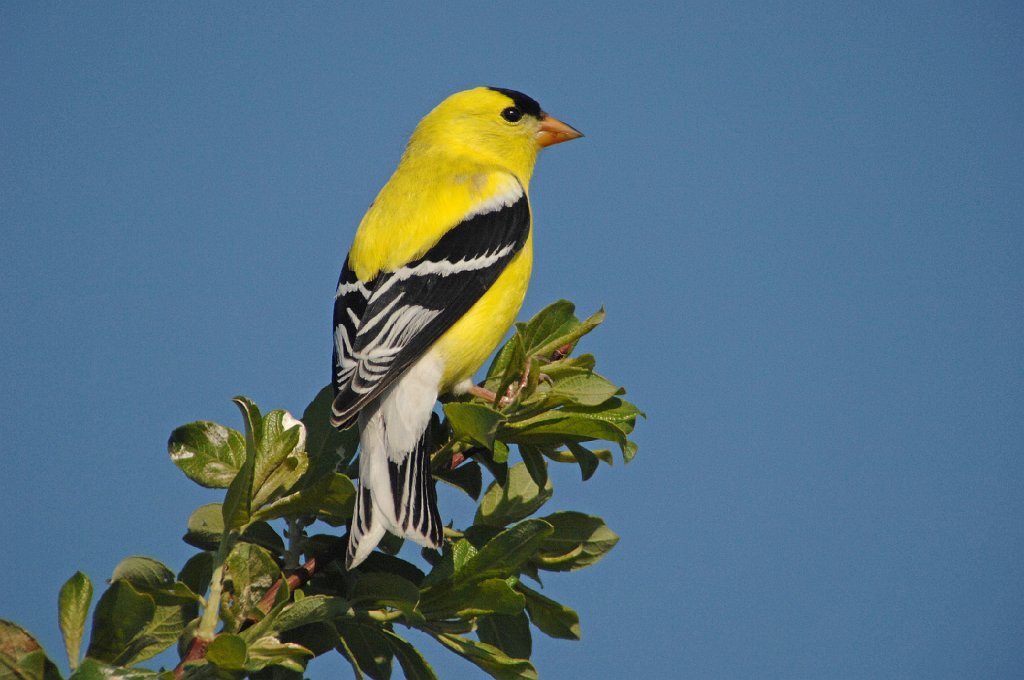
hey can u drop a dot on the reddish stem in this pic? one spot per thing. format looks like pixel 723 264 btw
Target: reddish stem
pixel 196 651
pixel 197 648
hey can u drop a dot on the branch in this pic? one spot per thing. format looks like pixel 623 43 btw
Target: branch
pixel 301 576
pixel 298 578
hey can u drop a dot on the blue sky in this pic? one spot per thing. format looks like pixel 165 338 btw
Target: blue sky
pixel 804 220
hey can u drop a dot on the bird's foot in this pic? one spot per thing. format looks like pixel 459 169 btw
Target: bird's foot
pixel 511 392
pixel 481 392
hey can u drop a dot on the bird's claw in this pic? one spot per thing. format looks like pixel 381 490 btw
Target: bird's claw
pixel 511 392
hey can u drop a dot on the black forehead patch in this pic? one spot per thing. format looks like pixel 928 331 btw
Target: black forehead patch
pixel 526 104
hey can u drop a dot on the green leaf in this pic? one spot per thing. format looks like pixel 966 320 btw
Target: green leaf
pixel 73 609
pixel 557 455
pixel 121 617
pixel 391 543
pixel 629 451
pixel 554 428
pixel 569 366
pixel 570 335
pixel 502 555
pixel 478 535
pixel 331 499
pixel 370 649
pixel 488 657
pixel 507 364
pixel 168 624
pixel 379 562
pixel 21 656
pixel 250 415
pixel 495 461
pixel 519 498
pixel 128 626
pixel 444 568
pixel 205 527
pixel 577 541
pixel 377 590
pixel 250 572
pixel 349 655
pixel 308 610
pixel 414 666
pixel 263 535
pixel 474 422
pixel 587 460
pixel 457 585
pixel 269 651
pixel 280 460
pixel 548 324
pixel 328 449
pixel 550 617
pixel 281 480
pixel 605 455
pixel 530 570
pixel 175 602
pixel 471 598
pixel 227 651
pixel 535 465
pixel 208 453
pixel 197 572
pixel 532 380
pixel 462 552
pixel 237 506
pixel 616 411
pixel 337 501
pixel 509 633
pixel 500 456
pixel 319 638
pixel 466 477
pixel 94 670
pixel 145 573
pixel 588 389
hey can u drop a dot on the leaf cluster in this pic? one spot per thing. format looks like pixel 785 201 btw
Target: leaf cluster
pixel 258 601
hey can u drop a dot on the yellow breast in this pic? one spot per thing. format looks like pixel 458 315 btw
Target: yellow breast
pixel 425 197
pixel 467 344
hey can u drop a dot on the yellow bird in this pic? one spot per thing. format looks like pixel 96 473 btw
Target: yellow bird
pixel 435 277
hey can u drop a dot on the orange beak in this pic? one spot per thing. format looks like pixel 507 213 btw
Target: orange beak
pixel 554 131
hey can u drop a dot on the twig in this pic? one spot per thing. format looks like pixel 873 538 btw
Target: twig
pixel 196 651
pixel 197 647
pixel 294 533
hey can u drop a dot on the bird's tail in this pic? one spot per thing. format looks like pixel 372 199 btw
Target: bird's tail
pixel 396 488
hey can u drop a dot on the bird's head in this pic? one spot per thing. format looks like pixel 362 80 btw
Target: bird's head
pixel 496 125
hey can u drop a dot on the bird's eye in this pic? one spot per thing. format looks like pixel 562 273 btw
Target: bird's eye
pixel 512 114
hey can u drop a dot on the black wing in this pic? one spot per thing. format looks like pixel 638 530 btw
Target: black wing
pixel 383 326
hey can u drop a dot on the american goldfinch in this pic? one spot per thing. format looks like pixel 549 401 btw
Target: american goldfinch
pixel 435 277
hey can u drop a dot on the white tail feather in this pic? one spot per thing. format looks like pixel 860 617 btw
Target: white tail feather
pixel 394 460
